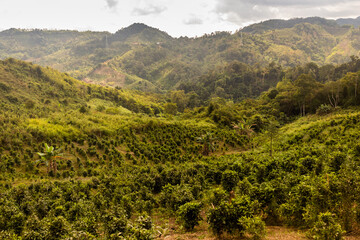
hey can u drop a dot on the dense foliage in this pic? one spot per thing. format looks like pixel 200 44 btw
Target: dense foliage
pixel 144 58
pixel 129 158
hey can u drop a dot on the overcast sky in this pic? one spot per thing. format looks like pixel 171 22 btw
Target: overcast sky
pixel 176 17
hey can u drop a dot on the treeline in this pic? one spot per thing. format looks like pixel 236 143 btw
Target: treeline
pixel 311 88
pixel 235 81
pixel 280 24
pixel 140 51
pixel 293 91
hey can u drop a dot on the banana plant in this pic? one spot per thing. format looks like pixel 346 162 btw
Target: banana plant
pixel 244 127
pixel 208 141
pixel 49 157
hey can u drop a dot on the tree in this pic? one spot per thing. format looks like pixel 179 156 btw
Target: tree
pixel 312 69
pixel 179 98
pixel 244 127
pixel 49 157
pixel 333 92
pixel 272 131
pixel 286 96
pixel 208 141
pixel 352 81
pixel 170 108
pixel 306 90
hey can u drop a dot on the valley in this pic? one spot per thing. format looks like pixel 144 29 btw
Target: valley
pixel 139 135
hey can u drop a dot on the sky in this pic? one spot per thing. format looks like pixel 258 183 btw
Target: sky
pixel 176 17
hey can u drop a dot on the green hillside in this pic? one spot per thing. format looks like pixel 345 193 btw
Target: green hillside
pixel 37 44
pixel 104 134
pixel 83 161
pixel 37 89
pixel 139 33
pixel 144 58
pixel 282 24
pixel 138 135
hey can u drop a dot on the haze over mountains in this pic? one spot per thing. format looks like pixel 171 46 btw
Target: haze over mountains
pixel 145 58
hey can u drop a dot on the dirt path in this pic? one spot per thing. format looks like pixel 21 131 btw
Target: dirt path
pixel 273 233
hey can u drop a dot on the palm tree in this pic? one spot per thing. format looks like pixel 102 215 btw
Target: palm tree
pixel 49 157
pixel 208 143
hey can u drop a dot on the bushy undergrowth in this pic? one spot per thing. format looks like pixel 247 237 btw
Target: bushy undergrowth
pixel 119 170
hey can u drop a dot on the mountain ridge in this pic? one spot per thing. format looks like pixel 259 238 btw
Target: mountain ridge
pixel 273 24
pixel 145 58
pixel 349 21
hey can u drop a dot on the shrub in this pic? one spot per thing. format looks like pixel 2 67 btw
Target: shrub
pixel 81 235
pixel 35 229
pixel 100 108
pixel 29 104
pixel 253 226
pixel 218 196
pixel 58 227
pixel 115 224
pixel 229 180
pixel 9 235
pixel 189 215
pixel 11 218
pixel 337 160
pixel 323 109
pixel 112 111
pixel 83 109
pixel 326 228
pixel 170 108
pixel 226 216
pixel 144 222
pixel 142 230
pixel 173 196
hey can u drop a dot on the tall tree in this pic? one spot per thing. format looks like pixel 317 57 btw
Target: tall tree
pixel 333 92
pixel 307 87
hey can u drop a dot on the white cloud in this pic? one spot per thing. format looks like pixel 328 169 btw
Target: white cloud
pixel 148 10
pixel 244 11
pixel 112 3
pixel 177 17
pixel 193 20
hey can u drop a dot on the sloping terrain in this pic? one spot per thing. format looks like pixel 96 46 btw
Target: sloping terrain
pixel 145 58
pixel 85 161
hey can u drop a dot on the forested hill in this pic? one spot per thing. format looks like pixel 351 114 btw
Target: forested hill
pixel 349 21
pixel 281 24
pixel 140 33
pixel 144 58
pixel 35 91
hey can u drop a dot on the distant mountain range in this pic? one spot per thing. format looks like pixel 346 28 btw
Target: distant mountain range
pixel 145 58
pixel 281 24
pixel 349 21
